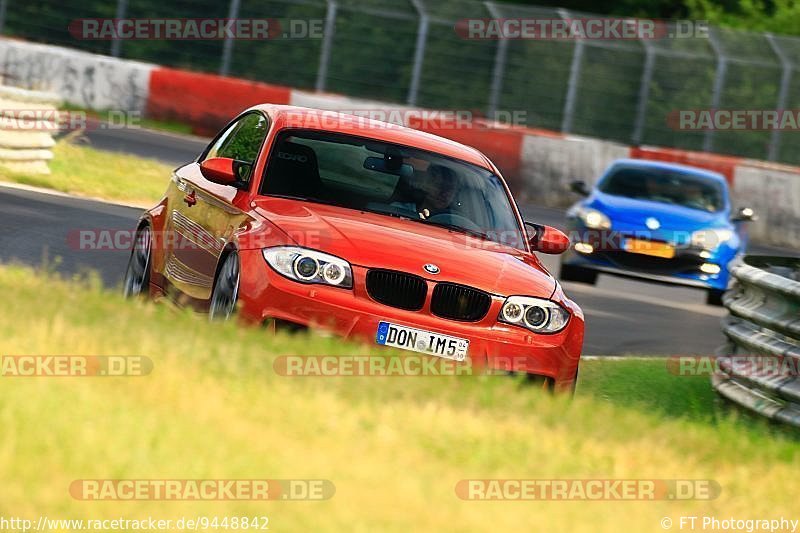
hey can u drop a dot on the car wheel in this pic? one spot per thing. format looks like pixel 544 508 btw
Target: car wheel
pixel 137 275
pixel 226 289
pixel 578 274
pixel 536 381
pixel 575 382
pixel 714 297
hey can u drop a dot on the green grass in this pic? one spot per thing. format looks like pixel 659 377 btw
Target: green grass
pixel 650 385
pixel 134 120
pixel 213 407
pixel 85 171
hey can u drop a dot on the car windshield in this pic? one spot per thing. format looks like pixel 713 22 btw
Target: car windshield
pixel 665 186
pixel 392 180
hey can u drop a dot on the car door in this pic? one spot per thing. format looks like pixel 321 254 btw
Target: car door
pixel 204 215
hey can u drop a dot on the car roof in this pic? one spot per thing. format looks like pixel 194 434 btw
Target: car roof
pixel 665 165
pixel 285 116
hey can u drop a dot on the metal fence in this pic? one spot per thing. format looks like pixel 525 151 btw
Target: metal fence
pixel 407 51
pixel 760 367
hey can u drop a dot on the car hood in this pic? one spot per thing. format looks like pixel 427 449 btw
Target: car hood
pixel 634 212
pixel 378 241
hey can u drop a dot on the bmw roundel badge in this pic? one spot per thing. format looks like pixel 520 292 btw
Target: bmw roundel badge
pixel 430 268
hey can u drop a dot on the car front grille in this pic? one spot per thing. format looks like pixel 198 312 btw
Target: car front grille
pixel 458 302
pixel 656 265
pixel 397 289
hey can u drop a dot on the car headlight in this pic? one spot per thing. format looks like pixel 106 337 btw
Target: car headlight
pixel 309 266
pixel 709 239
pixel 536 314
pixel 593 219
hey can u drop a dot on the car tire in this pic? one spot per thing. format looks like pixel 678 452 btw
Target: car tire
pixel 226 289
pixel 577 274
pixel 536 381
pixel 714 297
pixel 137 274
pixel 575 382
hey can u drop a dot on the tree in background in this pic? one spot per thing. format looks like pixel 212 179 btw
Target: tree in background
pixel 777 16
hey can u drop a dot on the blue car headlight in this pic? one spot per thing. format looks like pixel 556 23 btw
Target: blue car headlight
pixel 709 239
pixel 592 218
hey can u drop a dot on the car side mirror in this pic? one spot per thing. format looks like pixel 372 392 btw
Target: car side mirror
pixel 745 214
pixel 547 239
pixel 580 187
pixel 224 170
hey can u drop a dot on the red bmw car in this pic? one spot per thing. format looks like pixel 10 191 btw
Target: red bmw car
pixel 370 230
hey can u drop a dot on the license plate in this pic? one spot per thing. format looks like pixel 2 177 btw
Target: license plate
pixel 656 249
pixel 418 340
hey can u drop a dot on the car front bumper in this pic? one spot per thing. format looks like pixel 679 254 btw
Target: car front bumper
pixel 352 314
pixel 685 268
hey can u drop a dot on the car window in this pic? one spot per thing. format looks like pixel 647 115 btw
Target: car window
pixel 341 167
pixel 665 186
pixel 241 141
pixel 393 180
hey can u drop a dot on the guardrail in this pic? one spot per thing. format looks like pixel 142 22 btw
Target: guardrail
pixel 758 368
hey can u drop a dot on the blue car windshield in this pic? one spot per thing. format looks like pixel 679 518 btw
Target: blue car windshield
pixel 665 186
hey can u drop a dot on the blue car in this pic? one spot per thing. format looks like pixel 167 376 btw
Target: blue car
pixel 657 221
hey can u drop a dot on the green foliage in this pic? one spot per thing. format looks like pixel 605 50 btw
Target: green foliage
pixel 776 16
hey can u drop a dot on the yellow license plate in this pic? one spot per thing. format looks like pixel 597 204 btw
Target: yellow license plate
pixel 656 249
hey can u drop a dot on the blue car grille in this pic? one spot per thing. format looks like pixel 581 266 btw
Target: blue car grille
pixel 681 263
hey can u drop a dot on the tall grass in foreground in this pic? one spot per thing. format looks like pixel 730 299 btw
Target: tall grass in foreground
pixel 394 447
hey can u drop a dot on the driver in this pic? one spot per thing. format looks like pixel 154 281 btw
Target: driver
pixel 658 189
pixel 440 191
pixel 694 197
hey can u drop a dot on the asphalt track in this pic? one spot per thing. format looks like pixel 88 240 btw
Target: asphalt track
pixel 624 317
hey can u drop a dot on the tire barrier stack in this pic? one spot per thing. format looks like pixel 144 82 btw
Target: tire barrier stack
pixel 28 121
pixel 759 367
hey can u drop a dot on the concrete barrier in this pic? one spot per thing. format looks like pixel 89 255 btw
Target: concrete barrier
pixel 79 78
pixel 774 194
pixel 550 163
